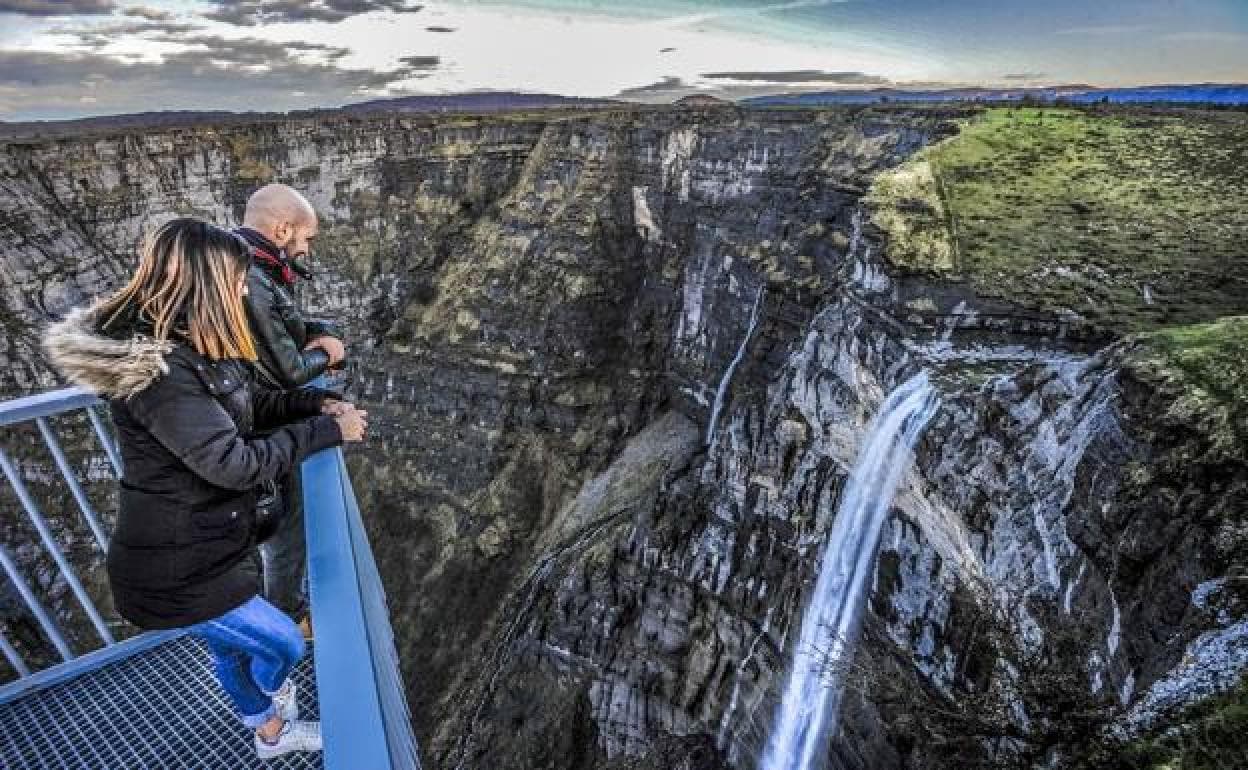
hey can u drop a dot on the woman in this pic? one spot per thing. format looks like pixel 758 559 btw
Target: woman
pixel 172 354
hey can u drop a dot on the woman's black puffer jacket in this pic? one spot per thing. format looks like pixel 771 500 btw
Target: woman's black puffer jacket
pixel 184 547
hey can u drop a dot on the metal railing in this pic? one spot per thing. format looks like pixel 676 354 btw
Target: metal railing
pixel 40 409
pixel 364 716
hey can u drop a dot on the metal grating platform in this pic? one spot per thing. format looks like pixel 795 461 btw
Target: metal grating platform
pixel 161 708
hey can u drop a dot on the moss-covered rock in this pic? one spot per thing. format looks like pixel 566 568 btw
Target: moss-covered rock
pixel 1209 736
pixel 909 208
pixel 1205 368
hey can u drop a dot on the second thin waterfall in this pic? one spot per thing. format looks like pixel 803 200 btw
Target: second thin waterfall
pixel 833 618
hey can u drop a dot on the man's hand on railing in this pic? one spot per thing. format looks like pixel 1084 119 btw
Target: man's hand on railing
pixel 333 348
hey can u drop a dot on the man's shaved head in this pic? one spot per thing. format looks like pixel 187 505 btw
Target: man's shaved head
pixel 282 215
pixel 274 204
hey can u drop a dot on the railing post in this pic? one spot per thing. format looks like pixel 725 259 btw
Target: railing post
pixel 35 606
pixel 11 655
pixel 49 542
pixel 75 488
pixel 106 440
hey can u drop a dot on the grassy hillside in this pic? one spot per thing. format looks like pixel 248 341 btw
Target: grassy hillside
pixel 1206 367
pixel 1133 219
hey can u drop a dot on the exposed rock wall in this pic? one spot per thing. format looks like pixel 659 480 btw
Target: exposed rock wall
pixel 546 313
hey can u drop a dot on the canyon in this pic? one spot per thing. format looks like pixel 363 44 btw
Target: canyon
pixel 621 364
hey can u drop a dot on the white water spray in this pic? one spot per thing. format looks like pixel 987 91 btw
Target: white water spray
pixel 833 618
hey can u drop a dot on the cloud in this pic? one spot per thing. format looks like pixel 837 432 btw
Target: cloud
pixel 193 69
pixel 249 13
pixel 936 85
pixel 151 14
pixel 731 13
pixel 1206 36
pixel 801 76
pixel 440 29
pixel 418 63
pixel 246 51
pixel 745 84
pixel 249 51
pixel 99 36
pixel 1025 76
pixel 210 73
pixel 1104 30
pixel 669 86
pixel 57 7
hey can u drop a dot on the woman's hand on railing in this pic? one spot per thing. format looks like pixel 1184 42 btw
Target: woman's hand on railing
pixel 333 407
pixel 353 423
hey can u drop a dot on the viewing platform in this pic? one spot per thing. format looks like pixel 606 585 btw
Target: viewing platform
pixel 152 700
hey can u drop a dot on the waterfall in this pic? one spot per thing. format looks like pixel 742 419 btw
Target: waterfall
pixel 732 366
pixel 831 623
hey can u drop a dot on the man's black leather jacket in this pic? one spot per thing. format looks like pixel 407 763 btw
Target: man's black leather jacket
pixel 280 330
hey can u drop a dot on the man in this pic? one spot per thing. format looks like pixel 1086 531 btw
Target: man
pixel 280 225
pixel 294 352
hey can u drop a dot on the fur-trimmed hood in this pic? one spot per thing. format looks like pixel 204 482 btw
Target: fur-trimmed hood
pixel 113 368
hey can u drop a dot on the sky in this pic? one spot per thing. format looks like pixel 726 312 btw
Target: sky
pixel 75 58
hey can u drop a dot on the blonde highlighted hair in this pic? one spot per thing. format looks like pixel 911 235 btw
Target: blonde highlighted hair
pixel 186 285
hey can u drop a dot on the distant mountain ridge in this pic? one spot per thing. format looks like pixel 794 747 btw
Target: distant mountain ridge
pixel 497 101
pixel 477 101
pixel 1198 93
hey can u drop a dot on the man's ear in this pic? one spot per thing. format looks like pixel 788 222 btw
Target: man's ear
pixel 282 233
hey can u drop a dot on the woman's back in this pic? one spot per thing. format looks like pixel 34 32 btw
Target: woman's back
pixel 184 545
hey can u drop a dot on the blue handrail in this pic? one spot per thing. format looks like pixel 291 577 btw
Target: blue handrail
pixel 45 404
pixel 365 724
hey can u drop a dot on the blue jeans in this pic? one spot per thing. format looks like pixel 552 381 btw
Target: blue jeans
pixel 254 647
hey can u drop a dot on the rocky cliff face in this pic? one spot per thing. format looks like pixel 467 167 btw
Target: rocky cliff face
pixel 621 364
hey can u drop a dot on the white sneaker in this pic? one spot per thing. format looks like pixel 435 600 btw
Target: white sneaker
pixel 286 701
pixel 295 736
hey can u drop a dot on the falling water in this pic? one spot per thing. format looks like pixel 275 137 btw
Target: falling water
pixel 732 366
pixel 832 620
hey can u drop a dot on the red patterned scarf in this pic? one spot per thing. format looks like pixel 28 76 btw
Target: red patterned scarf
pixel 266 257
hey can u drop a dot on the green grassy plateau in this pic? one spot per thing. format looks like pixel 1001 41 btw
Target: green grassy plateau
pixel 1132 219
